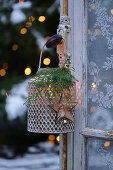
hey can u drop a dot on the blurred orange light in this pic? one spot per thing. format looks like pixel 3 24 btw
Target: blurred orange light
pixel 31 18
pixel 93 6
pixel 112 11
pixel 51 137
pixel 93 86
pixel 14 47
pixel 23 31
pixel 89 31
pixel 46 61
pixel 106 144
pixel 2 72
pixel 51 142
pixel 21 0
pixel 47 38
pixel 27 71
pixel 28 24
pixel 5 65
pixel 98 32
pixel 41 18
pixel 58 139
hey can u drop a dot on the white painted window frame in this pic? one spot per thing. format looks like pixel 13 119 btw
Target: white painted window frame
pixel 76 142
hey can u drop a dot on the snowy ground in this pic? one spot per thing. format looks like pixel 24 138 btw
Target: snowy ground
pixel 34 159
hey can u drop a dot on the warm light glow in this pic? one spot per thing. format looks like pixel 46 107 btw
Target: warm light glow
pixel 51 137
pixel 46 61
pixel 27 71
pixel 2 72
pixel 58 139
pixel 41 18
pixel 92 109
pixel 23 31
pixel 93 86
pixel 89 31
pixel 98 32
pixel 28 24
pixel 51 142
pixel 65 121
pixel 5 65
pixel 31 18
pixel 20 0
pixel 14 47
pixel 7 95
pixel 93 6
pixel 112 11
pixel 47 38
pixel 106 144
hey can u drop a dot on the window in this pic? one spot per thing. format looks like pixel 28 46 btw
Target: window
pixel 91 146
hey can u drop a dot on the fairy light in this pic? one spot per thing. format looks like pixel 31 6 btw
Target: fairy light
pixel 93 86
pixel 15 47
pixel 51 137
pixel 92 6
pixel 27 71
pixel 58 139
pixel 28 24
pixel 31 18
pixel 106 144
pixel 92 109
pixel 23 31
pixel 112 11
pixel 20 0
pixel 46 61
pixel 51 142
pixel 5 65
pixel 2 72
pixel 89 31
pixel 41 18
pixel 98 32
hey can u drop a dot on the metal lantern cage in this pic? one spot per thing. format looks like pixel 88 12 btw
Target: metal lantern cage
pixel 41 117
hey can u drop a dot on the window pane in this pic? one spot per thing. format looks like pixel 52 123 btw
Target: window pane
pixel 100 155
pixel 100 64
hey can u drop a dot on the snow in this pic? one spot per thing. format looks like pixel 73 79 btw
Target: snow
pixel 36 161
pixel 15 102
pixel 17 15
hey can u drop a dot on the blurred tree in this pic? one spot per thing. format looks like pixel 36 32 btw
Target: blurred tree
pixel 22 35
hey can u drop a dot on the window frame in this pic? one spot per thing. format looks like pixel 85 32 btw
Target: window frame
pixel 77 141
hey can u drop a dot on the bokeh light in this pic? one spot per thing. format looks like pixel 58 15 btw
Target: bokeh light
pixel 41 18
pixel 46 61
pixel 93 86
pixel 51 137
pixel 27 71
pixel 112 11
pixel 31 18
pixel 106 144
pixel 2 72
pixel 20 0
pixel 5 65
pixel 23 31
pixel 28 24
pixel 58 139
pixel 15 47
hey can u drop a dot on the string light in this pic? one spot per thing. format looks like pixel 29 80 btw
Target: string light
pixel 28 24
pixel 31 18
pixel 2 72
pixel 46 61
pixel 112 11
pixel 41 18
pixel 93 86
pixel 23 31
pixel 93 6
pixel 5 65
pixel 98 32
pixel 58 139
pixel 89 31
pixel 106 144
pixel 51 137
pixel 20 0
pixel 14 47
pixel 27 71
pixel 92 109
